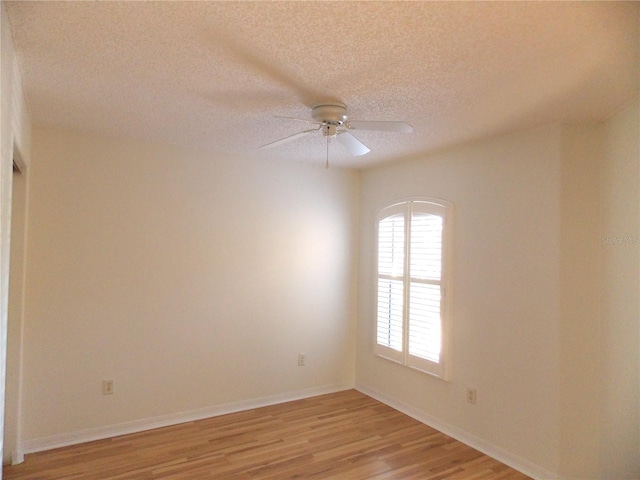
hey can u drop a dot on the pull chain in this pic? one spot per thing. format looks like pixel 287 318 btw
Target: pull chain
pixel 327 164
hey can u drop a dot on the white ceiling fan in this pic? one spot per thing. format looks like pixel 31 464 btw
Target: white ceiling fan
pixel 332 120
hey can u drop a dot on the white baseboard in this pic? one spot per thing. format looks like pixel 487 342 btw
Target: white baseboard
pixel 504 456
pixel 109 431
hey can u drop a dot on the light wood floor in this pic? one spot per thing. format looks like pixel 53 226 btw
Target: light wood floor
pixel 344 435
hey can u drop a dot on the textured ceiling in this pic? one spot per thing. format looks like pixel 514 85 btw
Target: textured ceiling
pixel 214 74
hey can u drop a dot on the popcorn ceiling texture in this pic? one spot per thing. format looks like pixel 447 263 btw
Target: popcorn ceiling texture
pixel 214 74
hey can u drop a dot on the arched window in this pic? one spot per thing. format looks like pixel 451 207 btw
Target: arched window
pixel 412 292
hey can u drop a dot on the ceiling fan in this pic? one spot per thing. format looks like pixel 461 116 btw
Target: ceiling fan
pixel 332 120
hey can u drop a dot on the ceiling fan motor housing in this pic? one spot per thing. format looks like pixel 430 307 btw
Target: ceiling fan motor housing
pixel 334 113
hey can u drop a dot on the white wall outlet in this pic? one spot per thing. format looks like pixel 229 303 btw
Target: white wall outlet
pixel 107 387
pixel 301 359
pixel 471 396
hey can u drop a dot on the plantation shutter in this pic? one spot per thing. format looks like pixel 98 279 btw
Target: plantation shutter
pixel 410 285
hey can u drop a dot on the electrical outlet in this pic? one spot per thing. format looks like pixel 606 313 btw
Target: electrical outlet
pixel 301 359
pixel 107 387
pixel 471 396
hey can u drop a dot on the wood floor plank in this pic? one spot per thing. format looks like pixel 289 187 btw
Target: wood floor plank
pixel 345 435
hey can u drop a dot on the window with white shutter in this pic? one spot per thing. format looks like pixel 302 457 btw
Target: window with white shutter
pixel 412 293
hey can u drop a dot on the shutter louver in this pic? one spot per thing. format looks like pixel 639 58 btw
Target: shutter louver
pixel 424 321
pixel 390 299
pixel 391 241
pixel 425 272
pixel 391 246
pixel 426 246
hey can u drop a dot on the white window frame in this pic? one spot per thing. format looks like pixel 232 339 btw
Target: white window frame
pixel 407 207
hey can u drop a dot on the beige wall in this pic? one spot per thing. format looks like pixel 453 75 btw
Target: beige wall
pixel 190 279
pixel 579 352
pixel 546 315
pixel 620 390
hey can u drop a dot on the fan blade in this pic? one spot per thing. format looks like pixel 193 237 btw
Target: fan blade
pixel 355 146
pixel 398 127
pixel 263 62
pixel 287 139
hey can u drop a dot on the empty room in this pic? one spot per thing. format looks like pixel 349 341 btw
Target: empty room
pixel 320 240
